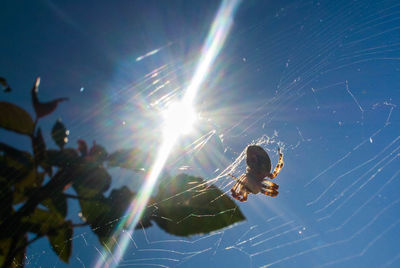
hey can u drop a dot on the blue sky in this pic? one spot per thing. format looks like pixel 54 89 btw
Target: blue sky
pixel 318 78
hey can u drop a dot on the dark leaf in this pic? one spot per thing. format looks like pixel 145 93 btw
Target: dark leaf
pixel 42 222
pixel 64 158
pixel 61 241
pixel 43 108
pixel 59 133
pixel 14 164
pixel 15 119
pixel 117 202
pixel 57 203
pixel 19 257
pixel 120 199
pixel 195 207
pixel 104 214
pixel 127 158
pixel 10 173
pixel 53 225
pixel 96 213
pixel 24 187
pixel 94 209
pixel 91 179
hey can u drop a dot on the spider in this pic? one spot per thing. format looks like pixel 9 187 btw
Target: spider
pixel 258 167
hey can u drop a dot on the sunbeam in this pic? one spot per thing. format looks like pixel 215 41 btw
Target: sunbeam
pixel 216 37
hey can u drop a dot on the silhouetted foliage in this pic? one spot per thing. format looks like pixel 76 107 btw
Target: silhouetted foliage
pixel 32 204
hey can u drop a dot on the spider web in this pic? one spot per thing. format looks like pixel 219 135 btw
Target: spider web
pixel 323 88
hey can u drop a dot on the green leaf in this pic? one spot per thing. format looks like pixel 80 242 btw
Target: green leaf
pixel 61 241
pixel 195 207
pixel 103 214
pixel 43 222
pixel 53 225
pixel 94 210
pixel 96 213
pixel 15 119
pixel 59 133
pixel 127 158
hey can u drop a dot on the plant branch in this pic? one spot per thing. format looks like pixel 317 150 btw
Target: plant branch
pixel 11 254
pixel 59 181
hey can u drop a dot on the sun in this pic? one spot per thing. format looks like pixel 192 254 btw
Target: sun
pixel 179 119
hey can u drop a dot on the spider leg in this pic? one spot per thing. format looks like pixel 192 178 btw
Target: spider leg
pixel 270 185
pixel 229 174
pixel 269 192
pixel 239 190
pixel 241 198
pixel 278 167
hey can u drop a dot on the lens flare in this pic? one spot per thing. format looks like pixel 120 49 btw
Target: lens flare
pixel 175 125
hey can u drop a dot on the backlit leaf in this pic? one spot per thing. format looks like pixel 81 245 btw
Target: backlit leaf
pixel 43 222
pixel 105 213
pixel 15 119
pixel 61 241
pixel 127 158
pixel 43 108
pixel 54 226
pixel 190 210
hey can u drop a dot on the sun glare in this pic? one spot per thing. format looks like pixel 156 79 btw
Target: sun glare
pixel 179 119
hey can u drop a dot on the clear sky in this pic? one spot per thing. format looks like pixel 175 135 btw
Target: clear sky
pixel 320 79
